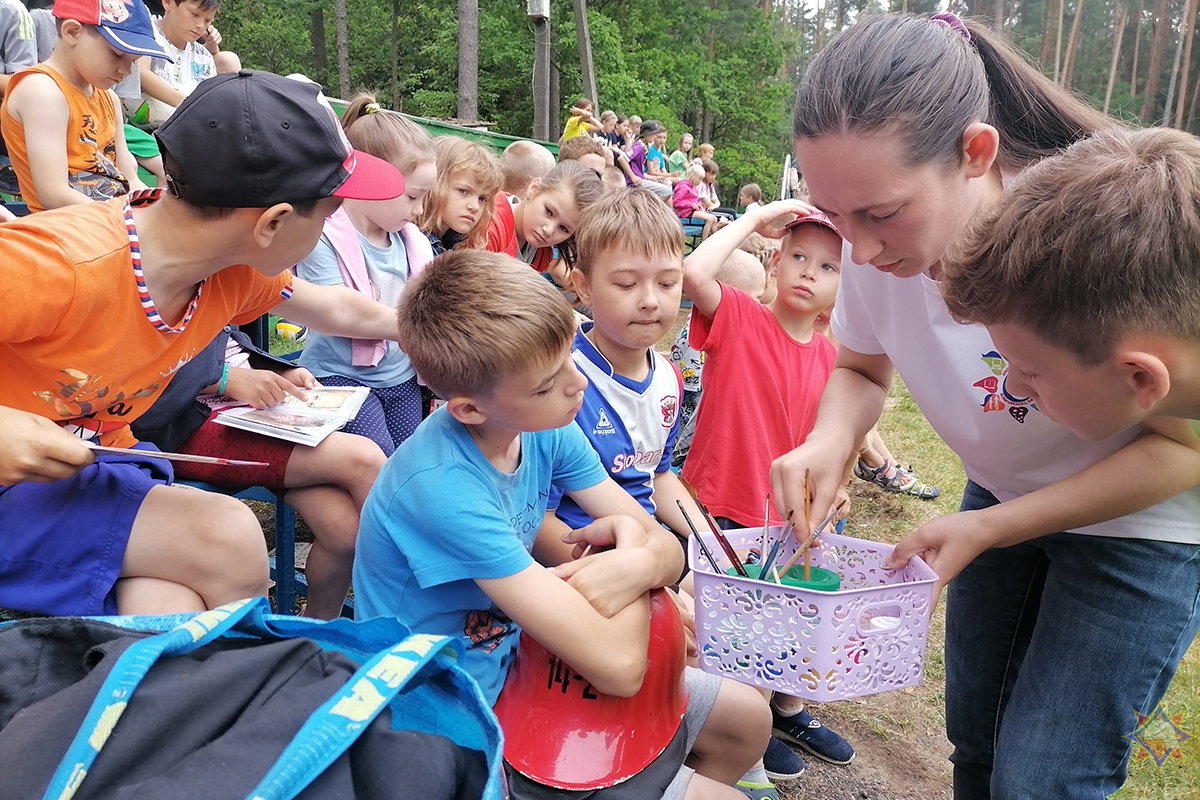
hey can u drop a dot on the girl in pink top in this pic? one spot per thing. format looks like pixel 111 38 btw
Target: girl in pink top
pixel 687 200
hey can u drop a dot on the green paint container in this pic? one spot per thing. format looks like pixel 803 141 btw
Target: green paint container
pixel 819 579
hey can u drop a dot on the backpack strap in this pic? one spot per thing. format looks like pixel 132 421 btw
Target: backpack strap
pixel 131 667
pixel 335 726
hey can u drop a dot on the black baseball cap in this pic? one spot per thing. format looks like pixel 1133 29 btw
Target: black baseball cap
pixel 251 139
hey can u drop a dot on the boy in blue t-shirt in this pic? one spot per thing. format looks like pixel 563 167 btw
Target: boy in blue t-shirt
pixel 450 542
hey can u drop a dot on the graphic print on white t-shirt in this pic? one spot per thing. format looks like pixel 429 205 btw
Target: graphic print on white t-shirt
pixel 996 396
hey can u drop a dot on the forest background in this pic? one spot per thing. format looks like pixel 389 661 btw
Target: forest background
pixel 722 69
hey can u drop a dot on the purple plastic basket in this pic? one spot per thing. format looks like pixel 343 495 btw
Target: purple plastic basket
pixel 868 637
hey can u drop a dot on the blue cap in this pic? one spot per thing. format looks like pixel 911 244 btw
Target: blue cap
pixel 124 24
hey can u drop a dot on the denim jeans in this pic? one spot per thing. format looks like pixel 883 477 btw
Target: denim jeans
pixel 1052 645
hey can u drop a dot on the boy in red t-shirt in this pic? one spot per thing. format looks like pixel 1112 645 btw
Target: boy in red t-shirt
pixel 105 301
pixel 764 370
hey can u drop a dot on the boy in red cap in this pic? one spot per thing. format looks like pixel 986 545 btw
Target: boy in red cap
pixel 765 368
pixel 105 301
pixel 61 120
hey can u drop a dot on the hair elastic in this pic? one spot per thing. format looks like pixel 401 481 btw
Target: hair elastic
pixel 953 22
pixel 224 379
pixel 373 108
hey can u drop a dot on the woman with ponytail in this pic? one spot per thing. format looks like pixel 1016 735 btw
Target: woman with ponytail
pixel 1074 566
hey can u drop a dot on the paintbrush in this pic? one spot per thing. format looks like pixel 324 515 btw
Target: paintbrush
pixel 770 557
pixel 703 547
pixel 188 457
pixel 762 552
pixel 723 540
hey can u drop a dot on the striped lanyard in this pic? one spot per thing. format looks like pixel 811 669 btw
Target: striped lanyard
pixel 141 198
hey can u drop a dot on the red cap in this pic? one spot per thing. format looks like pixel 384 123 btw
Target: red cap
pixel 816 217
pixel 583 739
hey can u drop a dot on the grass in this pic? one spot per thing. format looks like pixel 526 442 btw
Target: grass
pixel 889 518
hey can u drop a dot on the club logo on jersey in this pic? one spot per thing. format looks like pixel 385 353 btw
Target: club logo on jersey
pixel 995 387
pixel 670 410
pixel 604 425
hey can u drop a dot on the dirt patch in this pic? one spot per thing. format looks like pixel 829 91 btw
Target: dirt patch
pixel 890 764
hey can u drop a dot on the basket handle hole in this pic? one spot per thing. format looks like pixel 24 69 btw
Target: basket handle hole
pixel 880 619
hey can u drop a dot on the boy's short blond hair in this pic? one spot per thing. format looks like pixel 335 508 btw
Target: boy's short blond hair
pixel 472 318
pixel 743 271
pixel 521 162
pixel 577 146
pixel 1089 245
pixel 632 220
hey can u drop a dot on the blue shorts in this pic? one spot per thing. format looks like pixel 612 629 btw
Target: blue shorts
pixel 62 544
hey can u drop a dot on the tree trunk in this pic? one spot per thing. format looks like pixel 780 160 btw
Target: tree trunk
pixel 1173 80
pixel 1058 41
pixel 342 21
pixel 1000 17
pixel 587 68
pixel 1192 107
pixel 1158 45
pixel 1047 16
pixel 1190 27
pixel 1073 44
pixel 1118 35
pixel 840 22
pixel 316 34
pixel 1137 46
pixel 395 47
pixel 821 25
pixel 468 60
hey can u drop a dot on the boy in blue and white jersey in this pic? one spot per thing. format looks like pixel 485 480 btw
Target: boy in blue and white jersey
pixel 630 269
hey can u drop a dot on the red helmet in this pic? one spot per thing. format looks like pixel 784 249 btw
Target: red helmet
pixel 561 732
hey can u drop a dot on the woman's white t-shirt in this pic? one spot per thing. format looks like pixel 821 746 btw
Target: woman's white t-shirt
pixel 958 379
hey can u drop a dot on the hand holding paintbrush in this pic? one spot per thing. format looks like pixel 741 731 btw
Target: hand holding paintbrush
pixel 808 543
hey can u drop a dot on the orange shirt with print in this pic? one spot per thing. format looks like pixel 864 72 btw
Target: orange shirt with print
pixel 91 141
pixel 76 344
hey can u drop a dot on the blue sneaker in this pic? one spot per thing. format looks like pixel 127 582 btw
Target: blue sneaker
pixel 800 728
pixel 781 762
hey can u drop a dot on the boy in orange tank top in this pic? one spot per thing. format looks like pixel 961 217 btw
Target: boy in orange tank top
pixel 60 119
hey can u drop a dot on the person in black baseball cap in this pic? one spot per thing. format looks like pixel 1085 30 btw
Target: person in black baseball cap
pixel 254 139
pixel 105 301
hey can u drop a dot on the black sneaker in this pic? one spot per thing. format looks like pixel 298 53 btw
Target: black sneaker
pixel 800 728
pixel 781 762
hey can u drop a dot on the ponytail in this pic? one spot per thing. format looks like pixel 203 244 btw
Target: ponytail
pixel 1035 116
pixel 385 134
pixel 927 82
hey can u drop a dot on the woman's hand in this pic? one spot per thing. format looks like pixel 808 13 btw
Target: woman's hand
pixel 772 219
pixel 814 461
